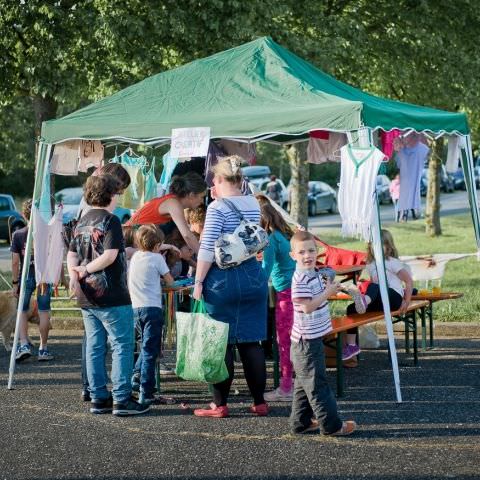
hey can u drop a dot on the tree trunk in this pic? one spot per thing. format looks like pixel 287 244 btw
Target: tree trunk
pixel 297 158
pixel 45 108
pixel 432 212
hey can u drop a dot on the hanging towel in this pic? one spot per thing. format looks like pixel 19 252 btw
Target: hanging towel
pixel 357 186
pixel 248 151
pixel 44 203
pixel 431 267
pixel 91 154
pixel 65 158
pixel 411 161
pixel 48 246
pixel 323 145
pixel 150 183
pixel 386 139
pixel 169 164
pixel 453 156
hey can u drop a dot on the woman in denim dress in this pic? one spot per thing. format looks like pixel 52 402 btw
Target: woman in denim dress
pixel 238 295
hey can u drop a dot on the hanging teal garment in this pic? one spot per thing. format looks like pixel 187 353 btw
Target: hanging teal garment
pixel 383 168
pixel 150 186
pixel 44 205
pixel 169 164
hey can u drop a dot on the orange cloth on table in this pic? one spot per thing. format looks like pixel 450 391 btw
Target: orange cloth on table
pixel 149 212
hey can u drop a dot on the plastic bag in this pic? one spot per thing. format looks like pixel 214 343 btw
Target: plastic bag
pixel 201 346
pixel 367 337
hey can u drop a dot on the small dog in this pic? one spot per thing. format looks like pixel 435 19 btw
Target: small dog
pixel 8 316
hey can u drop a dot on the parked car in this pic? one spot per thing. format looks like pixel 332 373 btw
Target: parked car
pixel 459 180
pixel 10 219
pixel 383 189
pixel 256 171
pixel 447 184
pixel 321 197
pixel 71 197
pixel 261 185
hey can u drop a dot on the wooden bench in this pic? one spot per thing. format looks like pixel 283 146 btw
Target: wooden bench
pixel 346 322
pixel 431 298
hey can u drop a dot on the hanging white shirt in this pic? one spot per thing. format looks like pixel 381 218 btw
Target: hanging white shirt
pixel 48 246
pixel 357 186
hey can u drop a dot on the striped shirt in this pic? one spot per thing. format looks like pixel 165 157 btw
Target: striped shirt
pixel 307 284
pixel 221 219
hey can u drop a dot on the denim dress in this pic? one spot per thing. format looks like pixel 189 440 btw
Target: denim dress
pixel 238 296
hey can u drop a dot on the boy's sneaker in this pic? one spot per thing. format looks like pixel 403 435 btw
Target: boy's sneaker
pixel 101 406
pixel 164 370
pixel 278 395
pixel 136 382
pixel 350 351
pixel 44 355
pixel 348 427
pixel 130 407
pixel 358 298
pixel 313 427
pixel 23 352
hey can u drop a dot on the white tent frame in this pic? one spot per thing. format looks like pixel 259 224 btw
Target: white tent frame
pixel 365 135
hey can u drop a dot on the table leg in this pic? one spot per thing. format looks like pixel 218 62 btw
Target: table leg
pixel 415 345
pixel 339 364
pixel 407 333
pixel 424 329
pixel 430 319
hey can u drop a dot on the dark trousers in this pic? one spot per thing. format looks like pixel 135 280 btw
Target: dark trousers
pixel 253 360
pixel 373 291
pixel 312 396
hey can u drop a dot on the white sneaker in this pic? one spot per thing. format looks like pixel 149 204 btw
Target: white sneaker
pixel 164 370
pixel 358 298
pixel 278 395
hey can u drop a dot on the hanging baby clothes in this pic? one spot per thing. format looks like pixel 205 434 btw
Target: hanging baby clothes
pixel 455 144
pixel 133 195
pixel 386 139
pixel 48 246
pixel 169 164
pixel 91 154
pixel 359 167
pixel 323 145
pixel 65 158
pixel 150 182
pixel 410 162
pixel 248 151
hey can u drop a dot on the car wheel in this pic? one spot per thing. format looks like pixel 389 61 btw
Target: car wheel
pixel 125 219
pixel 333 208
pixel 312 209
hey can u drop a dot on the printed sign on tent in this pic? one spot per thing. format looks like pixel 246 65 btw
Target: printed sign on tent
pixel 190 142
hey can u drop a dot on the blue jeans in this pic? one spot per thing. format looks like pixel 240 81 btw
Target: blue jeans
pixel 43 298
pixel 149 320
pixel 115 323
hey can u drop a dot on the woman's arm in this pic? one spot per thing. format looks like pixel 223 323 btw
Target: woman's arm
pixel 406 278
pixel 15 273
pixel 72 262
pixel 175 210
pixel 202 269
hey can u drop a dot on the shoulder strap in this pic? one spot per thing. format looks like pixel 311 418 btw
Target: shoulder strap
pixel 232 207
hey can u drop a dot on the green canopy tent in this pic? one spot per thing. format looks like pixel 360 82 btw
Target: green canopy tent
pixel 253 92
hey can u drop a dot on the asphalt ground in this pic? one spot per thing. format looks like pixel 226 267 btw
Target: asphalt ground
pixel 46 431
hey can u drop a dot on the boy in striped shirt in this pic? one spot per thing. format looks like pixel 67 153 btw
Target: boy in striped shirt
pixel 314 406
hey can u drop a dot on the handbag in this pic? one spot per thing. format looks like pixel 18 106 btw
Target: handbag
pixel 201 346
pixel 249 238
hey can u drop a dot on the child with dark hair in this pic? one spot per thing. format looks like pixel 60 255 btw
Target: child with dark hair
pixel 147 268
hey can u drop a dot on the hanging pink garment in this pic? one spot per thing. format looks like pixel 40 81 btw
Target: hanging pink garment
pixel 386 139
pixel 91 154
pixel 48 247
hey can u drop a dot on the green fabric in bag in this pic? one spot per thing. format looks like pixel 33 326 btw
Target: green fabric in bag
pixel 201 346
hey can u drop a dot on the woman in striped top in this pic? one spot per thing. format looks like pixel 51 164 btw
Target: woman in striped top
pixel 238 295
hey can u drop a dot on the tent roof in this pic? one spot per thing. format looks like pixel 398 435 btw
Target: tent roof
pixel 249 91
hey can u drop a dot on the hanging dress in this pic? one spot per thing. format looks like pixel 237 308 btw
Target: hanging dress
pixel 359 167
pixel 150 183
pixel 411 161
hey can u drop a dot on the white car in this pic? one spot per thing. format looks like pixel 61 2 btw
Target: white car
pixel 261 185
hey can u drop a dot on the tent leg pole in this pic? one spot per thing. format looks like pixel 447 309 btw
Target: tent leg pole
pixel 42 163
pixel 467 164
pixel 382 280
